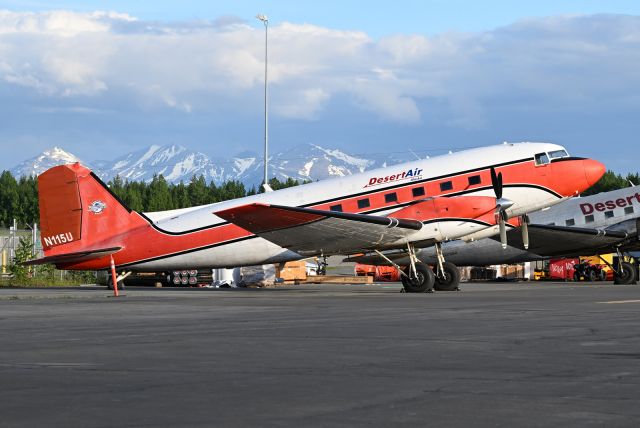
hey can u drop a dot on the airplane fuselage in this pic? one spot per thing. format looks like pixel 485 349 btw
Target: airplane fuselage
pixel 195 237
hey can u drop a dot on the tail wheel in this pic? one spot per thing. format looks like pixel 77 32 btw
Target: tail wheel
pixel 628 274
pixel 451 279
pixel 423 282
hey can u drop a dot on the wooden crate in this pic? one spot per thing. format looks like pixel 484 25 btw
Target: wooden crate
pixel 293 271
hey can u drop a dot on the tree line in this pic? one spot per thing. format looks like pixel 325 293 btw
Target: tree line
pixel 19 197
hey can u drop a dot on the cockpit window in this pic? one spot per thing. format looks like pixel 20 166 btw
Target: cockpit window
pixel 542 159
pixel 558 154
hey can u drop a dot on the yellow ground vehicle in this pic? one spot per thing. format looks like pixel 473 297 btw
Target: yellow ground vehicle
pixel 540 274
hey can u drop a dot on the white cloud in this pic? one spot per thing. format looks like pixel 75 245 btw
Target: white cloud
pixel 572 60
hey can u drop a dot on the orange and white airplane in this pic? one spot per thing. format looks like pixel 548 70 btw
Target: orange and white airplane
pixel 84 226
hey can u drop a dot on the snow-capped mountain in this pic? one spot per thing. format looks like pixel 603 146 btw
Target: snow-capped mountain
pixel 174 162
pixel 42 162
pixel 305 162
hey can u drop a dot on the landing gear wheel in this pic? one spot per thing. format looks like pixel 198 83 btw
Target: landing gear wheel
pixel 627 276
pixel 591 276
pixel 110 284
pixel 423 282
pixel 451 279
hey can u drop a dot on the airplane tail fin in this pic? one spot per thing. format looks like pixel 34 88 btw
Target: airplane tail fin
pixel 79 214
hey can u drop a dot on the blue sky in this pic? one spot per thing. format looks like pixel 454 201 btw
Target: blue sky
pixel 377 17
pixel 359 76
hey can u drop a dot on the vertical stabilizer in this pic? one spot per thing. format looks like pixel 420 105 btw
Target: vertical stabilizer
pixel 79 213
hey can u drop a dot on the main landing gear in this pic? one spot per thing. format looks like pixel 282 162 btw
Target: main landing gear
pixel 447 274
pixel 420 278
pixel 419 281
pixel 626 272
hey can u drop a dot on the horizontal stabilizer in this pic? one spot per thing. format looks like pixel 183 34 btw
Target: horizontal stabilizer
pixel 78 257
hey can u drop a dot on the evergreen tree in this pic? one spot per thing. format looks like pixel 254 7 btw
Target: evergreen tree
pixel 27 212
pixel 231 190
pixel 180 195
pixel 213 193
pixel 159 195
pixel 9 200
pixel 134 196
pixel 117 186
pixel 198 192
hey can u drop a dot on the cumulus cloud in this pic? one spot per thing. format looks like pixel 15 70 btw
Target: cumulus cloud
pixel 188 66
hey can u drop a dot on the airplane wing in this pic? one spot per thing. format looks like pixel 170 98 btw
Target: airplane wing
pixel 308 231
pixel 551 240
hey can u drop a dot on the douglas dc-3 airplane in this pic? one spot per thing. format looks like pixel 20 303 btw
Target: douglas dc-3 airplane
pixel 597 224
pixel 84 226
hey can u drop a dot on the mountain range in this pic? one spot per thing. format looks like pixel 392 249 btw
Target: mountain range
pixel 177 163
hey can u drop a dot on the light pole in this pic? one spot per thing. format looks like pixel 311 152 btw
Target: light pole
pixel 265 185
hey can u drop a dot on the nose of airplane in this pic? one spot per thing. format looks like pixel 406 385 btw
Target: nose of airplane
pixel 593 170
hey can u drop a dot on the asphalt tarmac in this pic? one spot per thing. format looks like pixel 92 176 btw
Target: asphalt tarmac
pixel 500 355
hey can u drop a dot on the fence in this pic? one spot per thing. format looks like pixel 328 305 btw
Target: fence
pixel 10 242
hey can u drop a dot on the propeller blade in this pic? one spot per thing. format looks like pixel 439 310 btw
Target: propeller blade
pixel 525 231
pixel 496 183
pixel 503 233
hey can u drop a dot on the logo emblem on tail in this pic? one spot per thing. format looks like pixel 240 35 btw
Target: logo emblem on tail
pixel 97 207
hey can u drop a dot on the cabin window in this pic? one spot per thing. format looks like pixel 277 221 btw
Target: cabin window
pixel 417 191
pixel 336 208
pixel 364 203
pixel 628 210
pixel 570 222
pixel 556 154
pixel 446 185
pixel 542 159
pixel 474 179
pixel 588 218
pixel 391 197
pixel 608 214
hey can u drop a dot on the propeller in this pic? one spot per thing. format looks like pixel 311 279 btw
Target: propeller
pixel 502 205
